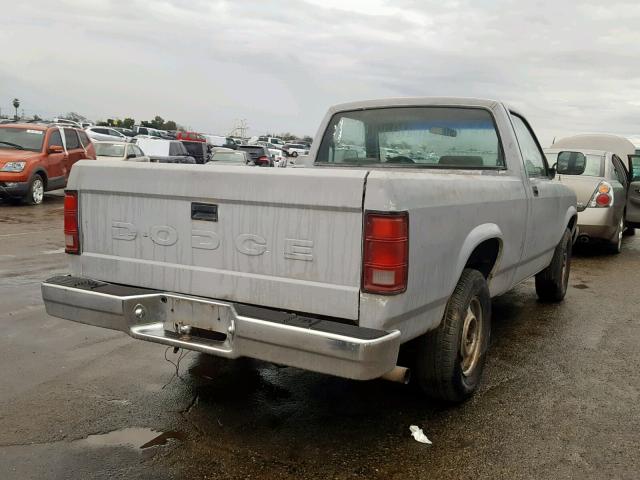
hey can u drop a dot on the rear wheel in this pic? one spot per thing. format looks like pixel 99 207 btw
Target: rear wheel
pixel 615 246
pixel 551 283
pixel 294 154
pixel 35 195
pixel 449 360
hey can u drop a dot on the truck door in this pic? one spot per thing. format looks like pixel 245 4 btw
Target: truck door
pixel 545 218
pixel 633 196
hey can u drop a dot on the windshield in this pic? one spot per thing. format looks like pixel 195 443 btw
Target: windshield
pixel 21 138
pixel 445 137
pixel 594 166
pixel 228 157
pixel 109 150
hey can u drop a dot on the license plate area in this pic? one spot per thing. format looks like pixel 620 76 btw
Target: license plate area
pixel 189 316
pixel 184 317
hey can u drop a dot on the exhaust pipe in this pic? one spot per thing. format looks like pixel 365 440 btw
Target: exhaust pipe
pixel 398 374
pixel 583 239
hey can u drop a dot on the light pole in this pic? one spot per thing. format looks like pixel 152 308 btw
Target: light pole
pixel 16 104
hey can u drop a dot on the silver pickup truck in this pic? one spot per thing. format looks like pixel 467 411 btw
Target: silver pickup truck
pixel 413 213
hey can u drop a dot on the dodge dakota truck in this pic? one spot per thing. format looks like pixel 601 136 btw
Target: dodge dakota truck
pixel 412 214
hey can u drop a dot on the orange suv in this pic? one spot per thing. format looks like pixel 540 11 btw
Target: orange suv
pixel 37 157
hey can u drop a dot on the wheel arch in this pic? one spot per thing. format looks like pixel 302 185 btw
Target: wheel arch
pixel 43 173
pixel 481 250
pixel 571 223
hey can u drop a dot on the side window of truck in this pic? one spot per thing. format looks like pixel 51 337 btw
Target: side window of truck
pixel 532 155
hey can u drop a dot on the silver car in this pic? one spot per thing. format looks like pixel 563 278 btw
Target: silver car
pixel 98 134
pixel 601 183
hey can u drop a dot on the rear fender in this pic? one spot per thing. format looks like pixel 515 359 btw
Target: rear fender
pixel 475 237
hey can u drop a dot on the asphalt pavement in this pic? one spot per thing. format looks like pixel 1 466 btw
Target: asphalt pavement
pixel 560 395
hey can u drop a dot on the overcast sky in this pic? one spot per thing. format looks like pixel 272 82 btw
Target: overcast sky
pixel 569 66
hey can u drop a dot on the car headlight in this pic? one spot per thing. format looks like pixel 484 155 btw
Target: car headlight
pixel 13 167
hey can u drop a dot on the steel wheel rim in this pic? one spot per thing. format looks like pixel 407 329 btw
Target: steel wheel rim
pixel 471 340
pixel 38 191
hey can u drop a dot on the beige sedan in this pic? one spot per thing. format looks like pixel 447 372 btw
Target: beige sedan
pixel 119 151
pixel 601 183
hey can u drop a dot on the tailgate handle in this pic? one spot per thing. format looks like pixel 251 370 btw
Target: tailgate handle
pixel 204 211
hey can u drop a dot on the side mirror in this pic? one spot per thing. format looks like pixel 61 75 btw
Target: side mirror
pixel 571 163
pixel 56 149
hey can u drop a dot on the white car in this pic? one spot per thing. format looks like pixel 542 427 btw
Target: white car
pixel 295 149
pixel 278 142
pixel 154 132
pixel 119 151
pixel 98 134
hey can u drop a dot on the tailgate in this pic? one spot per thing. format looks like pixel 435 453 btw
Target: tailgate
pixel 288 239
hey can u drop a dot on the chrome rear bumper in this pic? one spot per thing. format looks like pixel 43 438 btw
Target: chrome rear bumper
pixel 223 328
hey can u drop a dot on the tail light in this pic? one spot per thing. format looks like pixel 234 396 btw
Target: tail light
pixel 386 253
pixel 263 159
pixel 602 197
pixel 71 231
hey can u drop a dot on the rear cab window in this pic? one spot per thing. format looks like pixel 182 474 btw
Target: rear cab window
pixel 415 137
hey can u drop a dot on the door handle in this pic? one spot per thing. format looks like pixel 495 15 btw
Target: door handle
pixel 535 191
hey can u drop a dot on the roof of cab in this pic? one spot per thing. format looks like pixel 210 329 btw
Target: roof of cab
pixel 415 102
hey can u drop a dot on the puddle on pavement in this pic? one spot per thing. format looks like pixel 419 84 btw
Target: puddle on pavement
pixel 139 438
pixel 581 286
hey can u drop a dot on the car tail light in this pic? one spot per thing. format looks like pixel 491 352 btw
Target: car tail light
pixel 71 231
pixel 386 252
pixel 602 197
pixel 263 159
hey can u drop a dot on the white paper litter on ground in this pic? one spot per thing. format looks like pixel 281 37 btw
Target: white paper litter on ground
pixel 418 434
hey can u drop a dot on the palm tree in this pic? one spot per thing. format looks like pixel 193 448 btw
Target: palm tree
pixel 16 104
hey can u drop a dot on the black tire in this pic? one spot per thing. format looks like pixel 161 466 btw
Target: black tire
pixel 615 245
pixel 35 194
pixel 441 368
pixel 551 283
pixel 294 154
pixel 629 232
